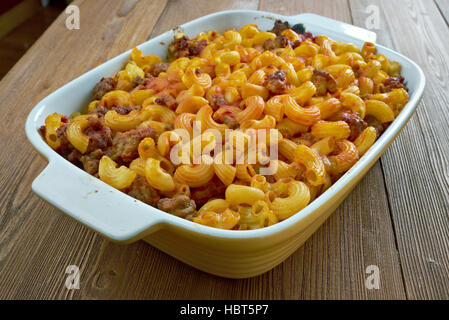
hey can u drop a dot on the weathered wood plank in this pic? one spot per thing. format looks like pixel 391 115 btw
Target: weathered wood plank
pixel 359 233
pixel 415 166
pixel 37 243
pixel 174 16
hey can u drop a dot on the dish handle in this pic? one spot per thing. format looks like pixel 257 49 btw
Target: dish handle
pixel 97 205
pixel 331 26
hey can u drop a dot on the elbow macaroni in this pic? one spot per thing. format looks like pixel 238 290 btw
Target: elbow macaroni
pixel 308 90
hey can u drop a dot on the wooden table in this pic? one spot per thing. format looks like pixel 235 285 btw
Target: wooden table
pixel 397 218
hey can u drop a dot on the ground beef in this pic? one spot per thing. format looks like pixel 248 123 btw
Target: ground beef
pixel 42 131
pixel 137 81
pixel 373 122
pixel 295 43
pixel 124 145
pixel 66 149
pixel 179 205
pixel 167 100
pixel 179 48
pixel 216 101
pixel 158 67
pixel 355 123
pixel 91 161
pixel 214 189
pixel 278 42
pixel 195 47
pixel 74 156
pixel 122 110
pixel 141 190
pixel 102 110
pixel 394 83
pixel 308 35
pixel 184 47
pixel 323 82
pixel 279 26
pixel 276 82
pixel 102 87
pixel 100 135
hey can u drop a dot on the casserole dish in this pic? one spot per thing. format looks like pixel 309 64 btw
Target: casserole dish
pixel 227 253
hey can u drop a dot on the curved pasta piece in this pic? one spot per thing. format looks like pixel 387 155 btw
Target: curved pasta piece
pixel 288 128
pixel 254 107
pixel 238 194
pixel 52 123
pixel 325 145
pixel 185 121
pixel 258 77
pixel 192 77
pixel 191 105
pixel 226 219
pixel 257 216
pixel 275 107
pixel 365 140
pixel 194 90
pixel 158 113
pixel 194 175
pixel 342 73
pixel 297 198
pixel 116 98
pixel 166 141
pixel 284 170
pixel 225 172
pixel 229 57
pixel 157 177
pixel 119 178
pixel 204 115
pixel 304 116
pixel 232 38
pixel 337 129
pixel 380 110
pixel 138 166
pixel 346 158
pixel 249 89
pixel 76 136
pixel 245 172
pixel 261 37
pixel 123 122
pixel 395 98
pixel 303 93
pixel 287 149
pixel 354 103
pixel 329 107
pixel 309 158
pixel 267 122
pixel 139 96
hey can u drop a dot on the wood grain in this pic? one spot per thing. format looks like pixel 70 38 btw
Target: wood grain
pixel 415 166
pixel 443 6
pixel 37 243
pixel 193 9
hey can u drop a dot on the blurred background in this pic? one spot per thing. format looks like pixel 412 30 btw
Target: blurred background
pixel 22 22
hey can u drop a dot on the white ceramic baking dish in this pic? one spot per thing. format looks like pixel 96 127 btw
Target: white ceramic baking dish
pixel 233 254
